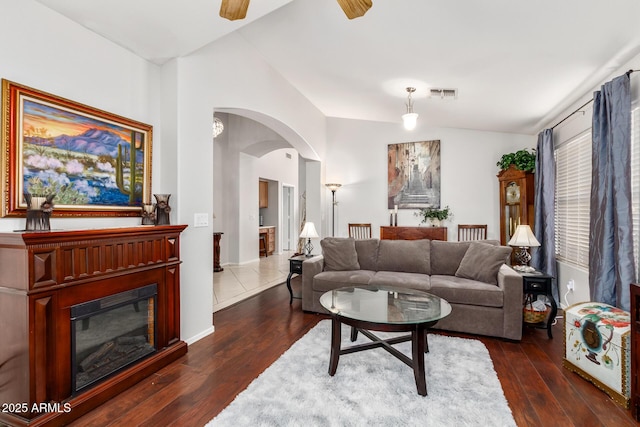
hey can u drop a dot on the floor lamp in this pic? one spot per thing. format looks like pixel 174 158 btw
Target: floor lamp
pixel 333 188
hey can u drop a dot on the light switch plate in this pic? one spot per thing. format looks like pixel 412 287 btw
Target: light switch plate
pixel 200 220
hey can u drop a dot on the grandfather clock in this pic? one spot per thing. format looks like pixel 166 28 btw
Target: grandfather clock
pixel 516 201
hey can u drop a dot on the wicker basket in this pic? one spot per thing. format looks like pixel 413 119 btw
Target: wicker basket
pixel 534 316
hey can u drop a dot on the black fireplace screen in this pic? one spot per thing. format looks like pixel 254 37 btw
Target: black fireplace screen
pixel 111 333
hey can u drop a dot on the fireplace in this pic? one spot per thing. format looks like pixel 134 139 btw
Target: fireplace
pixel 72 302
pixel 108 334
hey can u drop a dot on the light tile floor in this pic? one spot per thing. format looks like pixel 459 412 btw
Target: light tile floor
pixel 238 282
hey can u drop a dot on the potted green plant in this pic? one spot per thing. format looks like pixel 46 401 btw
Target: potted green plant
pixel 523 160
pixel 434 215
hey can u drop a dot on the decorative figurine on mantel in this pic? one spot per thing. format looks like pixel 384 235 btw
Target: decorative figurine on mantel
pixel 148 214
pixel 39 210
pixel 162 209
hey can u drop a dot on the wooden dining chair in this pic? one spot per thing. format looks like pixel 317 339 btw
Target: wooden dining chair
pixel 472 232
pixel 360 231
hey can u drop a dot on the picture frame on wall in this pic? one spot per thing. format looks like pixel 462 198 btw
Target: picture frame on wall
pixel 95 162
pixel 413 175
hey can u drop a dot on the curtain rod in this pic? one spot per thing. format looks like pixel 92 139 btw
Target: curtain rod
pixel 628 73
pixel 577 110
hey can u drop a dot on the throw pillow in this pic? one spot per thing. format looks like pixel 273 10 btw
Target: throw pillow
pixel 339 254
pixel 482 262
pixel 446 256
pixel 367 250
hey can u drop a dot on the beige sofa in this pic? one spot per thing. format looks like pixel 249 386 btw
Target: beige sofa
pixel 485 294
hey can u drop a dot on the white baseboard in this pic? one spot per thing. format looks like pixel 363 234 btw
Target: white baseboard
pixel 201 335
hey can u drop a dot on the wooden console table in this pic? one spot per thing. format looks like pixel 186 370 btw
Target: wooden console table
pixel 43 275
pixel 413 233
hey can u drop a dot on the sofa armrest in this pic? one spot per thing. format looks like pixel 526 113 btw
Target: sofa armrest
pixel 310 267
pixel 510 281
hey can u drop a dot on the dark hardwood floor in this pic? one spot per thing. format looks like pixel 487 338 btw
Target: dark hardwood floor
pixel 252 334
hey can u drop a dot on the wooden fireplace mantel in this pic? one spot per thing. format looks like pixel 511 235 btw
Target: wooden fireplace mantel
pixel 43 275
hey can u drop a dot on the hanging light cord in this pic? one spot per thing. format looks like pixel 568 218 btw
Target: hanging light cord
pixel 410 100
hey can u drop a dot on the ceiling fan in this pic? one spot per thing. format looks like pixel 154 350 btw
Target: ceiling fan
pixel 237 9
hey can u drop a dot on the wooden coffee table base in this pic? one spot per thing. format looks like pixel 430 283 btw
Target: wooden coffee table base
pixel 418 338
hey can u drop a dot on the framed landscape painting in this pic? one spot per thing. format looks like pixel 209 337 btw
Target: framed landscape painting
pixel 96 163
pixel 413 175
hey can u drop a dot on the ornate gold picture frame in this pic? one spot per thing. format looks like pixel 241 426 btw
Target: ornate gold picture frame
pixel 96 163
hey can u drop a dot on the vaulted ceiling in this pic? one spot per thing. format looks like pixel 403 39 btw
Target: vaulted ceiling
pixel 516 64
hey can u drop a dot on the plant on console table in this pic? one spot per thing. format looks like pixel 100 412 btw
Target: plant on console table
pixel 523 160
pixel 434 216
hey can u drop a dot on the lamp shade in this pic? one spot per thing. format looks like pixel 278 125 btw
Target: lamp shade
pixel 523 237
pixel 309 231
pixel 409 120
pixel 333 187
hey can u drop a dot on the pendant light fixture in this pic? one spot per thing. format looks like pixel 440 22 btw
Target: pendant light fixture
pixel 410 118
pixel 218 127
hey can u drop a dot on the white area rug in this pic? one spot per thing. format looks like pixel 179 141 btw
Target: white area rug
pixel 372 388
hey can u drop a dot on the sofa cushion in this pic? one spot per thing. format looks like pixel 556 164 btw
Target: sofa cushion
pixel 339 254
pixel 446 256
pixel 419 281
pixel 410 256
pixel 482 261
pixel 330 280
pixel 457 290
pixel 367 250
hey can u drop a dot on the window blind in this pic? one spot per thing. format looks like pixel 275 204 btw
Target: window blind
pixel 573 192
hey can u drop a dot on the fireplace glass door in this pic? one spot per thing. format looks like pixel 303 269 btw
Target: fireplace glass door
pixel 111 333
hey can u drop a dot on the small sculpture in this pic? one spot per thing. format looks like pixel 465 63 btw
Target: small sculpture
pixel 162 209
pixel 39 208
pixel 148 214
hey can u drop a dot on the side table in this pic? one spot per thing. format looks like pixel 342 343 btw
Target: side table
pixel 295 267
pixel 539 283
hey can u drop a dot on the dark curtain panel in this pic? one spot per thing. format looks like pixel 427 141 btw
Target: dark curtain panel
pixel 544 257
pixel 611 266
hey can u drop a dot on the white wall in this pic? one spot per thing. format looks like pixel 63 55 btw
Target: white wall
pixel 357 159
pixel 315 200
pixel 280 170
pixel 247 233
pixel 239 159
pixel 46 51
pixel 228 75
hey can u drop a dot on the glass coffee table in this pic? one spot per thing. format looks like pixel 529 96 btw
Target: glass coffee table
pixel 387 309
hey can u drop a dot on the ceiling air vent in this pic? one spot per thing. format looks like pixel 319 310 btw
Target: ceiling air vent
pixel 443 93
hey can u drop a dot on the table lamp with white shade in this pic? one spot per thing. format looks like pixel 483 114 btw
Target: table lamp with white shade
pixel 523 239
pixel 308 232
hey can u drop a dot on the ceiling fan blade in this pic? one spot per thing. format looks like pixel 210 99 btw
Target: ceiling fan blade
pixel 355 8
pixel 234 9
